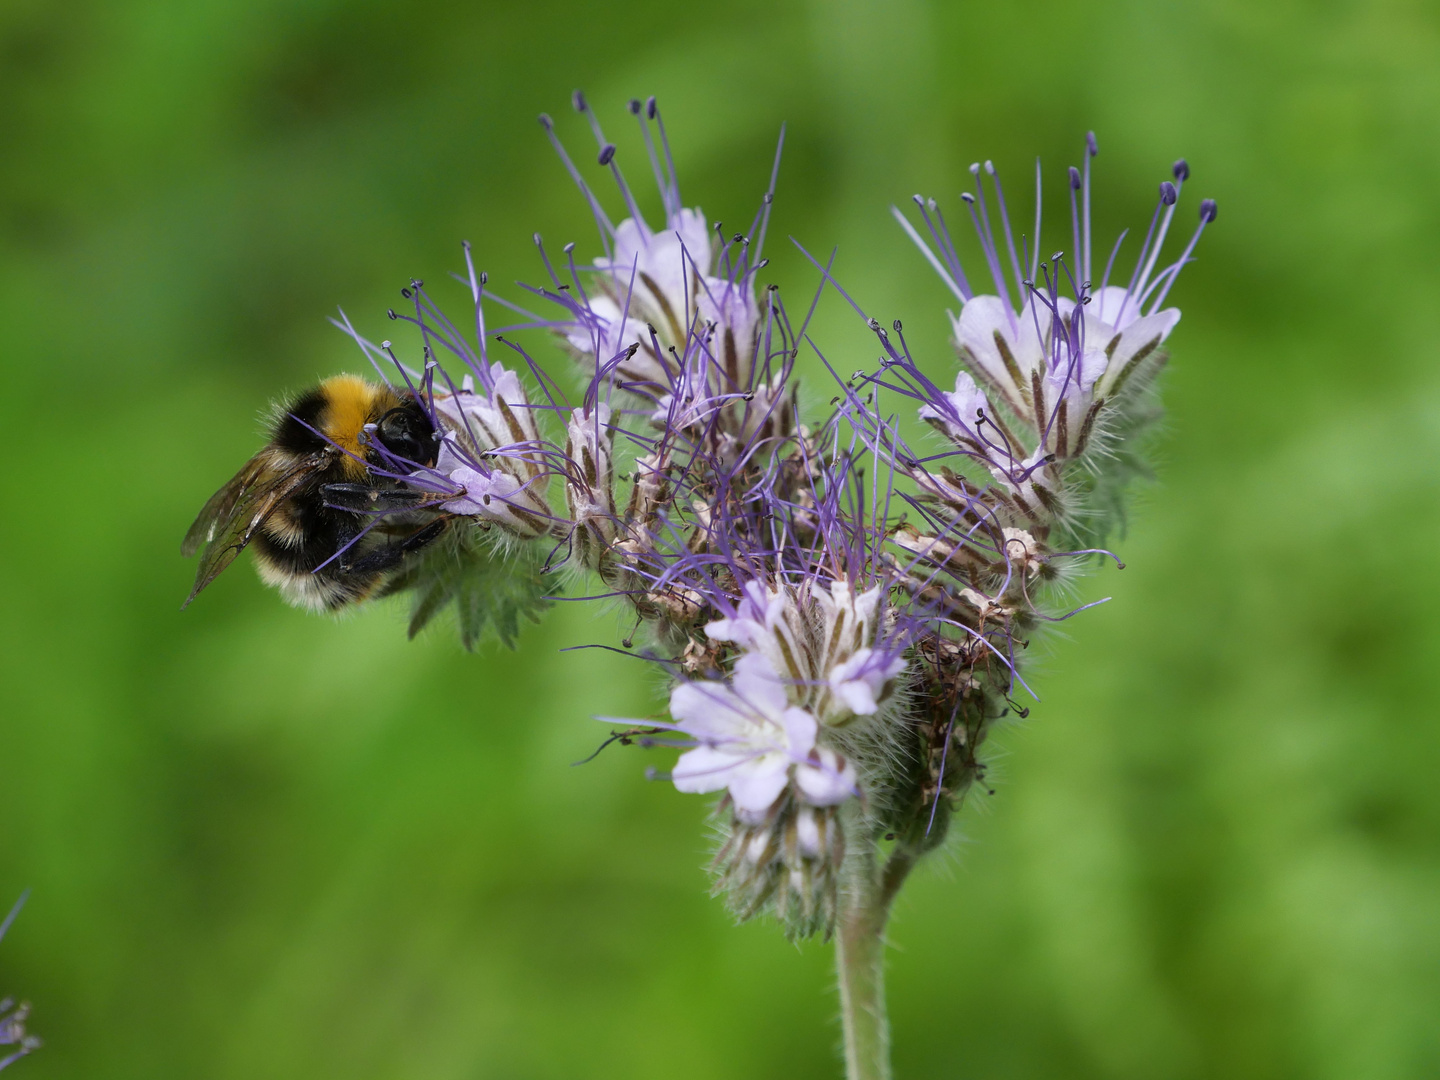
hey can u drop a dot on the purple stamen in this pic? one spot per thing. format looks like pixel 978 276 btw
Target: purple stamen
pixel 1075 185
pixel 607 230
pixel 1005 220
pixel 1035 253
pixel 981 221
pixel 1092 149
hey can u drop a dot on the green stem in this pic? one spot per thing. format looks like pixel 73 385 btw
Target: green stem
pixel 865 898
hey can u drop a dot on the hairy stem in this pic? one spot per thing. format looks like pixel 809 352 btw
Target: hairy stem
pixel 860 956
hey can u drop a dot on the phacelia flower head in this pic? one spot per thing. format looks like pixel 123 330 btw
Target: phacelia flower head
pixel 843 615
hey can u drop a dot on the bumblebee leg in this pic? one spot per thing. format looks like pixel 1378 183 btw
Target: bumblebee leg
pixel 390 556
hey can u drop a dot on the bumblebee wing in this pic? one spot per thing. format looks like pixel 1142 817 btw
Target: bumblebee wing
pixel 221 506
pixel 234 513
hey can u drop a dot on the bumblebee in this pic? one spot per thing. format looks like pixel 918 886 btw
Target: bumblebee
pixel 305 500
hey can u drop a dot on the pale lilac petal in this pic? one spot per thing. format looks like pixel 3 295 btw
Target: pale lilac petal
pixel 1065 380
pixel 827 783
pixel 759 685
pixel 704 769
pixel 758 782
pixel 1107 302
pixel 966 401
pixel 980 320
pixel 710 710
pixel 858 696
pixel 690 225
pixel 800 731
pixel 738 630
pixel 1146 333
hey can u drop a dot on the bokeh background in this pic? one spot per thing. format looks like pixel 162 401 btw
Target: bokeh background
pixel 264 844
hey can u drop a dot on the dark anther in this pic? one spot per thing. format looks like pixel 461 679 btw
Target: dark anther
pixel 974 168
pixel 607 153
pixel 896 325
pixel 1119 565
pixel 546 122
pixel 650 109
pixel 634 106
pixel 484 278
pixel 1091 144
pixel 405 293
pixel 1168 195
pixel 568 248
pixel 536 238
pixel 768 199
pixel 965 195
pixel 1074 178
pixel 417 283
pixel 919 200
pixel 1207 210
pixel 391 313
pixel 874 324
pixel 1181 169
pixel 762 264
pixel 578 100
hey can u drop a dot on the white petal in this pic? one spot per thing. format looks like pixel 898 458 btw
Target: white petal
pixel 858 696
pixel 825 784
pixel 758 782
pixel 800 729
pixel 1142 334
pixel 1107 302
pixel 759 685
pixel 980 320
pixel 710 710
pixel 694 233
pixel 704 769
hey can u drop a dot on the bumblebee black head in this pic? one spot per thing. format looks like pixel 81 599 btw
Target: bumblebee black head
pixel 407 433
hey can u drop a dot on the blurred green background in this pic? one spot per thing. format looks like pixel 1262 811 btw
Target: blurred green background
pixel 264 844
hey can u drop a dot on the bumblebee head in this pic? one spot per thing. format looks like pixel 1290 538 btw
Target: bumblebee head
pixel 407 433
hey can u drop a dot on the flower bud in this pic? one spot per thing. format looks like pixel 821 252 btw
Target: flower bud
pixel 787 864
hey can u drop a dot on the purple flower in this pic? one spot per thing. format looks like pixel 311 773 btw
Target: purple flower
pixel 753 743
pixel 664 306
pixel 1028 351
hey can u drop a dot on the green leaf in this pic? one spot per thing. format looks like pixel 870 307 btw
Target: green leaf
pixel 487 585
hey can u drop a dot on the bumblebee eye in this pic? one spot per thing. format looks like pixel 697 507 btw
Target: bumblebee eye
pixel 406 433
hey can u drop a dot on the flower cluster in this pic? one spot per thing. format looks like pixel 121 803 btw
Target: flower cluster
pixel 839 647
